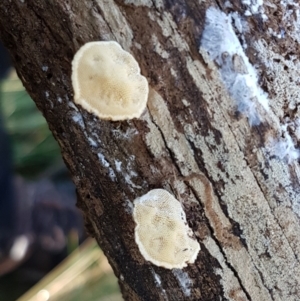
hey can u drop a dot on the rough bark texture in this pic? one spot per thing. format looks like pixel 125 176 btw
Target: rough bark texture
pixel 232 163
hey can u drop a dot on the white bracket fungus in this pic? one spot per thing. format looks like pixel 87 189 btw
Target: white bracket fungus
pixel 161 231
pixel 107 81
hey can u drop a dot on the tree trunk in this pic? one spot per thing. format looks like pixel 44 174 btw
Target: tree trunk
pixel 220 132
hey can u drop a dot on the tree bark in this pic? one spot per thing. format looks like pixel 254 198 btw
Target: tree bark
pixel 223 142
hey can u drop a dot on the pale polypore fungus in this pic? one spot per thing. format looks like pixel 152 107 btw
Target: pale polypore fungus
pixel 161 231
pixel 107 81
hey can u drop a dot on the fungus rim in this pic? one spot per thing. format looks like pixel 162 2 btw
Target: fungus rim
pixel 78 99
pixel 188 232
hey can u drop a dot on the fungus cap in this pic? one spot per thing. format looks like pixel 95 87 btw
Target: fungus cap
pixel 161 231
pixel 107 81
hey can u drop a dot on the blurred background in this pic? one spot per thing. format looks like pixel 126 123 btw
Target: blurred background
pixel 44 251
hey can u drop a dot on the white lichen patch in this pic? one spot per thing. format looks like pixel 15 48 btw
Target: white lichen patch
pixel 290 18
pixel 128 134
pixel 297 23
pixel 173 72
pixel 226 4
pixel 283 147
pixel 185 102
pixel 284 84
pixel 72 105
pixel 118 165
pixel 128 173
pixel 128 180
pixel 288 208
pixel 184 281
pixel 158 48
pixel 161 231
pixel 106 164
pixel 169 30
pixel 107 81
pixel 146 3
pixel 103 160
pixel 238 22
pixel 92 142
pixel 228 280
pixel 154 140
pixel 128 206
pixel 112 174
pixel 175 140
pixel 157 279
pixel 284 72
pixel 137 45
pixel 239 76
pixel 77 118
pixel 255 7
pixel 158 283
pixel 121 28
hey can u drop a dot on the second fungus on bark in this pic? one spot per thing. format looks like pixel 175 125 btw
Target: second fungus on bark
pixel 107 81
pixel 161 231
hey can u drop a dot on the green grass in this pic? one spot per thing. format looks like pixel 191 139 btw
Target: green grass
pixel 34 148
